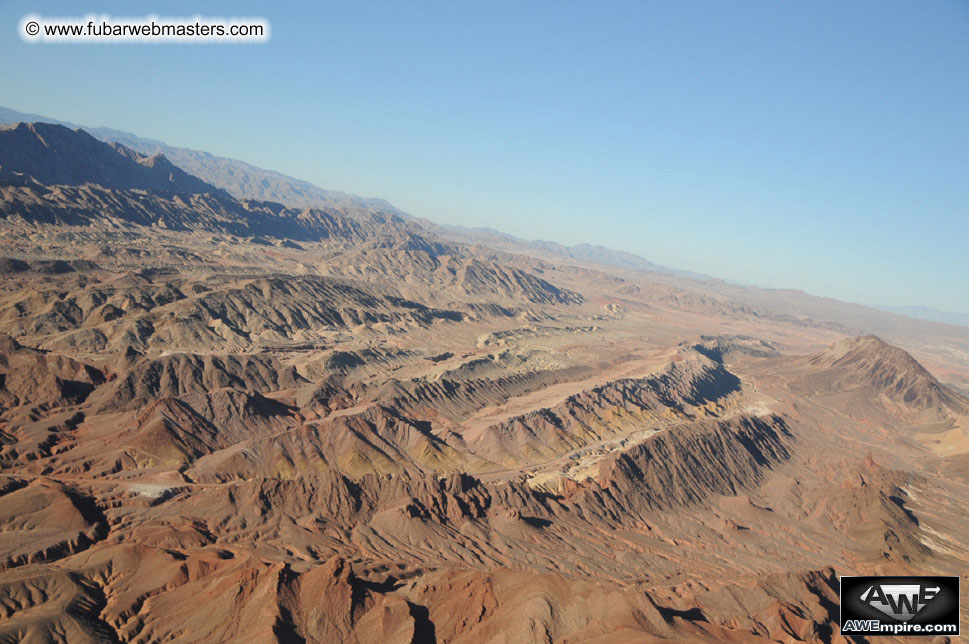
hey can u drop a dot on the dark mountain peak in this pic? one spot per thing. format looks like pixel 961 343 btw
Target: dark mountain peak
pixel 862 350
pixel 47 135
pixel 26 130
pixel 124 151
pixel 51 154
pixel 871 341
pixel 869 361
pixel 156 161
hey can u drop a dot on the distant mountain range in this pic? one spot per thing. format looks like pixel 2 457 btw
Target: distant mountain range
pixel 580 252
pixel 238 178
pixel 48 154
pixel 927 313
pixel 52 174
pixel 247 182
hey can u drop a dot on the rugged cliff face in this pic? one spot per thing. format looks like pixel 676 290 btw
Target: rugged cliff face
pixel 687 464
pixel 691 387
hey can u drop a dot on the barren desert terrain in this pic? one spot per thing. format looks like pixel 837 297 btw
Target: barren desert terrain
pixel 318 419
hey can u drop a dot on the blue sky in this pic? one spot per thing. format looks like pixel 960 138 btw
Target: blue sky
pixel 813 145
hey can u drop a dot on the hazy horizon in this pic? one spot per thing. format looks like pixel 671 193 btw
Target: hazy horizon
pixel 819 148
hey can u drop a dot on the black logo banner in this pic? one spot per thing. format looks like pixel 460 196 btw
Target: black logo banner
pixel 899 606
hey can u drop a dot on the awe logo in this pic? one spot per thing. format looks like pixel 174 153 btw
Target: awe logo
pixel 896 606
pixel 901 601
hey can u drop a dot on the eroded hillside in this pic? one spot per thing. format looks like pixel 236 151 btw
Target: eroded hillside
pixel 234 421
